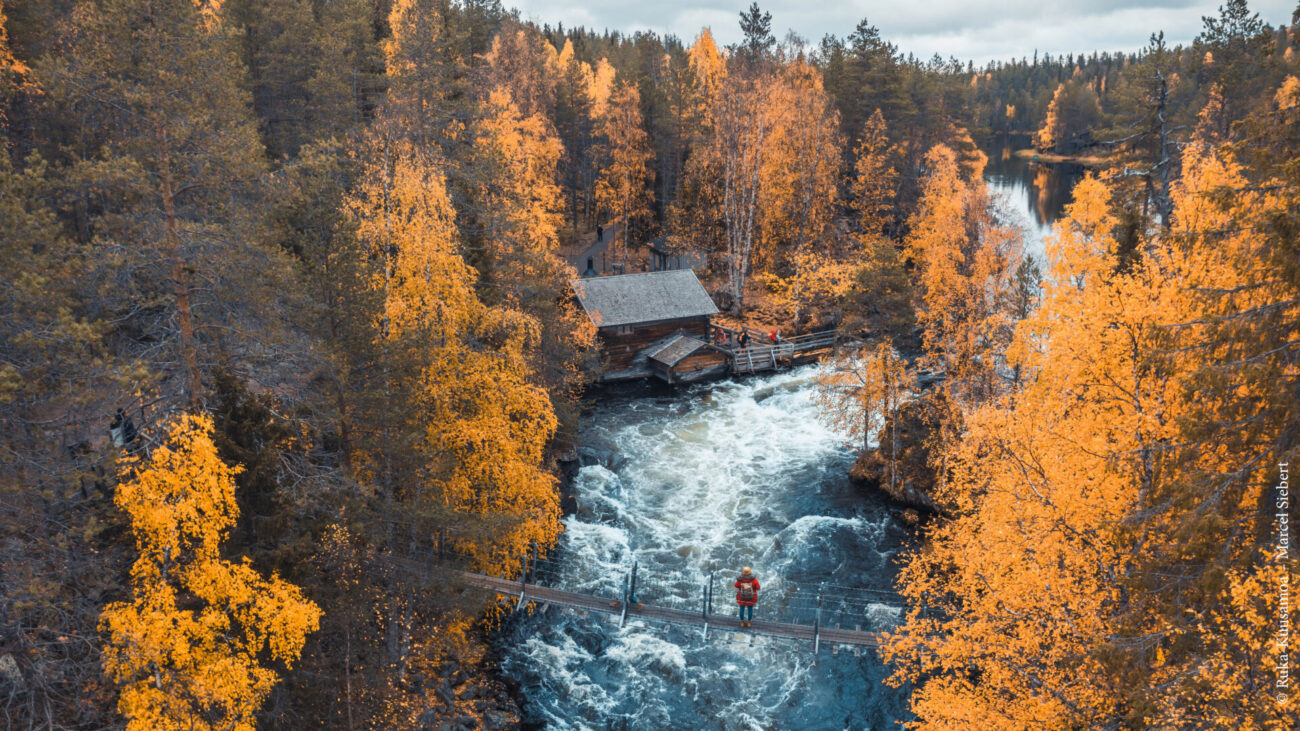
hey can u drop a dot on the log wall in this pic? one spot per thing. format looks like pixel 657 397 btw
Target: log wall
pixel 620 349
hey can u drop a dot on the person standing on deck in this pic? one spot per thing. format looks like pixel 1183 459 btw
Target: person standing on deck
pixel 746 596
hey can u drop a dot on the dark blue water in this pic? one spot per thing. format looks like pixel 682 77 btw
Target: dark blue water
pixel 708 481
pixel 1033 195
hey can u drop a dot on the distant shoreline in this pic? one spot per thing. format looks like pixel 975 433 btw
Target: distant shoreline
pixel 1089 160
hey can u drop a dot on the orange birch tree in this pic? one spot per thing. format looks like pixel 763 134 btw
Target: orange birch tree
pixel 1105 565
pixel 188 648
pixel 862 394
pixel 871 194
pixel 463 389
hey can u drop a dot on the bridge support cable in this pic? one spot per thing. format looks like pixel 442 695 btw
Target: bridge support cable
pixel 687 613
pixel 838 614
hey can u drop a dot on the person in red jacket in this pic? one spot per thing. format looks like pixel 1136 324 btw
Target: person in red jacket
pixel 746 596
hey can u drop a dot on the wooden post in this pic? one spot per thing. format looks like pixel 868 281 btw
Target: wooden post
pixel 704 605
pixel 523 583
pixel 623 617
pixel 631 597
pixel 817 625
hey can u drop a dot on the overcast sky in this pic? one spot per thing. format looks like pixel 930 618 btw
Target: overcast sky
pixel 979 30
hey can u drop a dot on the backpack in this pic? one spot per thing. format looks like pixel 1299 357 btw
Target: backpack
pixel 746 591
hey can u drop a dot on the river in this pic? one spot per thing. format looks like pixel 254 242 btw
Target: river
pixel 708 480
pixel 702 482
pixel 1034 194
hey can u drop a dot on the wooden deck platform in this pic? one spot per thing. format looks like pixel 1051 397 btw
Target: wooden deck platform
pixel 760 354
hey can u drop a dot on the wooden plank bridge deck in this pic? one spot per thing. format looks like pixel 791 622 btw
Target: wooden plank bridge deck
pixel 540 594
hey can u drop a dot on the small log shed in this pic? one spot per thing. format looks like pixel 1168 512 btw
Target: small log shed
pixel 652 324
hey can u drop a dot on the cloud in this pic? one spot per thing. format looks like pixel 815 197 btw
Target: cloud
pixel 979 30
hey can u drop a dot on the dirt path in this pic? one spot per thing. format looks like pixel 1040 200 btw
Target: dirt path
pixel 589 247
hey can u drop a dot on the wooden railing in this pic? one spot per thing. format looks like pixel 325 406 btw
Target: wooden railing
pixel 764 354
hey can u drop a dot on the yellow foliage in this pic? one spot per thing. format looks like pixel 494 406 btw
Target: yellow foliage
pixel 708 66
pixel 601 88
pixel 815 278
pixel 186 649
pixel 1288 94
pixel 964 270
pixel 522 203
pixel 404 213
pixel 519 214
pixel 802 163
pixel 862 389
pixel 480 424
pixel 623 188
pixel 872 191
pixel 1091 576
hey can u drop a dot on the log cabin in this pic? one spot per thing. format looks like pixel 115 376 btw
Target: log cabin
pixel 652 324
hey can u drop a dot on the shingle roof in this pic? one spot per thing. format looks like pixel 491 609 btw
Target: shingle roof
pixel 672 350
pixel 650 297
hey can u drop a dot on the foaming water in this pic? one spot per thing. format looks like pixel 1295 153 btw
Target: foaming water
pixel 707 481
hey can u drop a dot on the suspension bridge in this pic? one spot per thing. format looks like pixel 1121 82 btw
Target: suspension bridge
pixel 828 615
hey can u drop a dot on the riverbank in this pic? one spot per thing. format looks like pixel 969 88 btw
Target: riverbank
pixel 1051 157
pixel 472 694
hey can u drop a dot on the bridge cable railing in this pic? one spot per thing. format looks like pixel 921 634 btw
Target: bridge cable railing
pixel 783 601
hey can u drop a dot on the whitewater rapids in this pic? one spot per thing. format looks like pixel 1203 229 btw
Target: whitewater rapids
pixel 708 480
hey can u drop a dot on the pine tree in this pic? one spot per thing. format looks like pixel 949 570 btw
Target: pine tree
pixel 348 80
pixel 574 120
pixel 163 123
pixel 759 42
pixel 12 74
pixel 279 52
pixel 624 186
